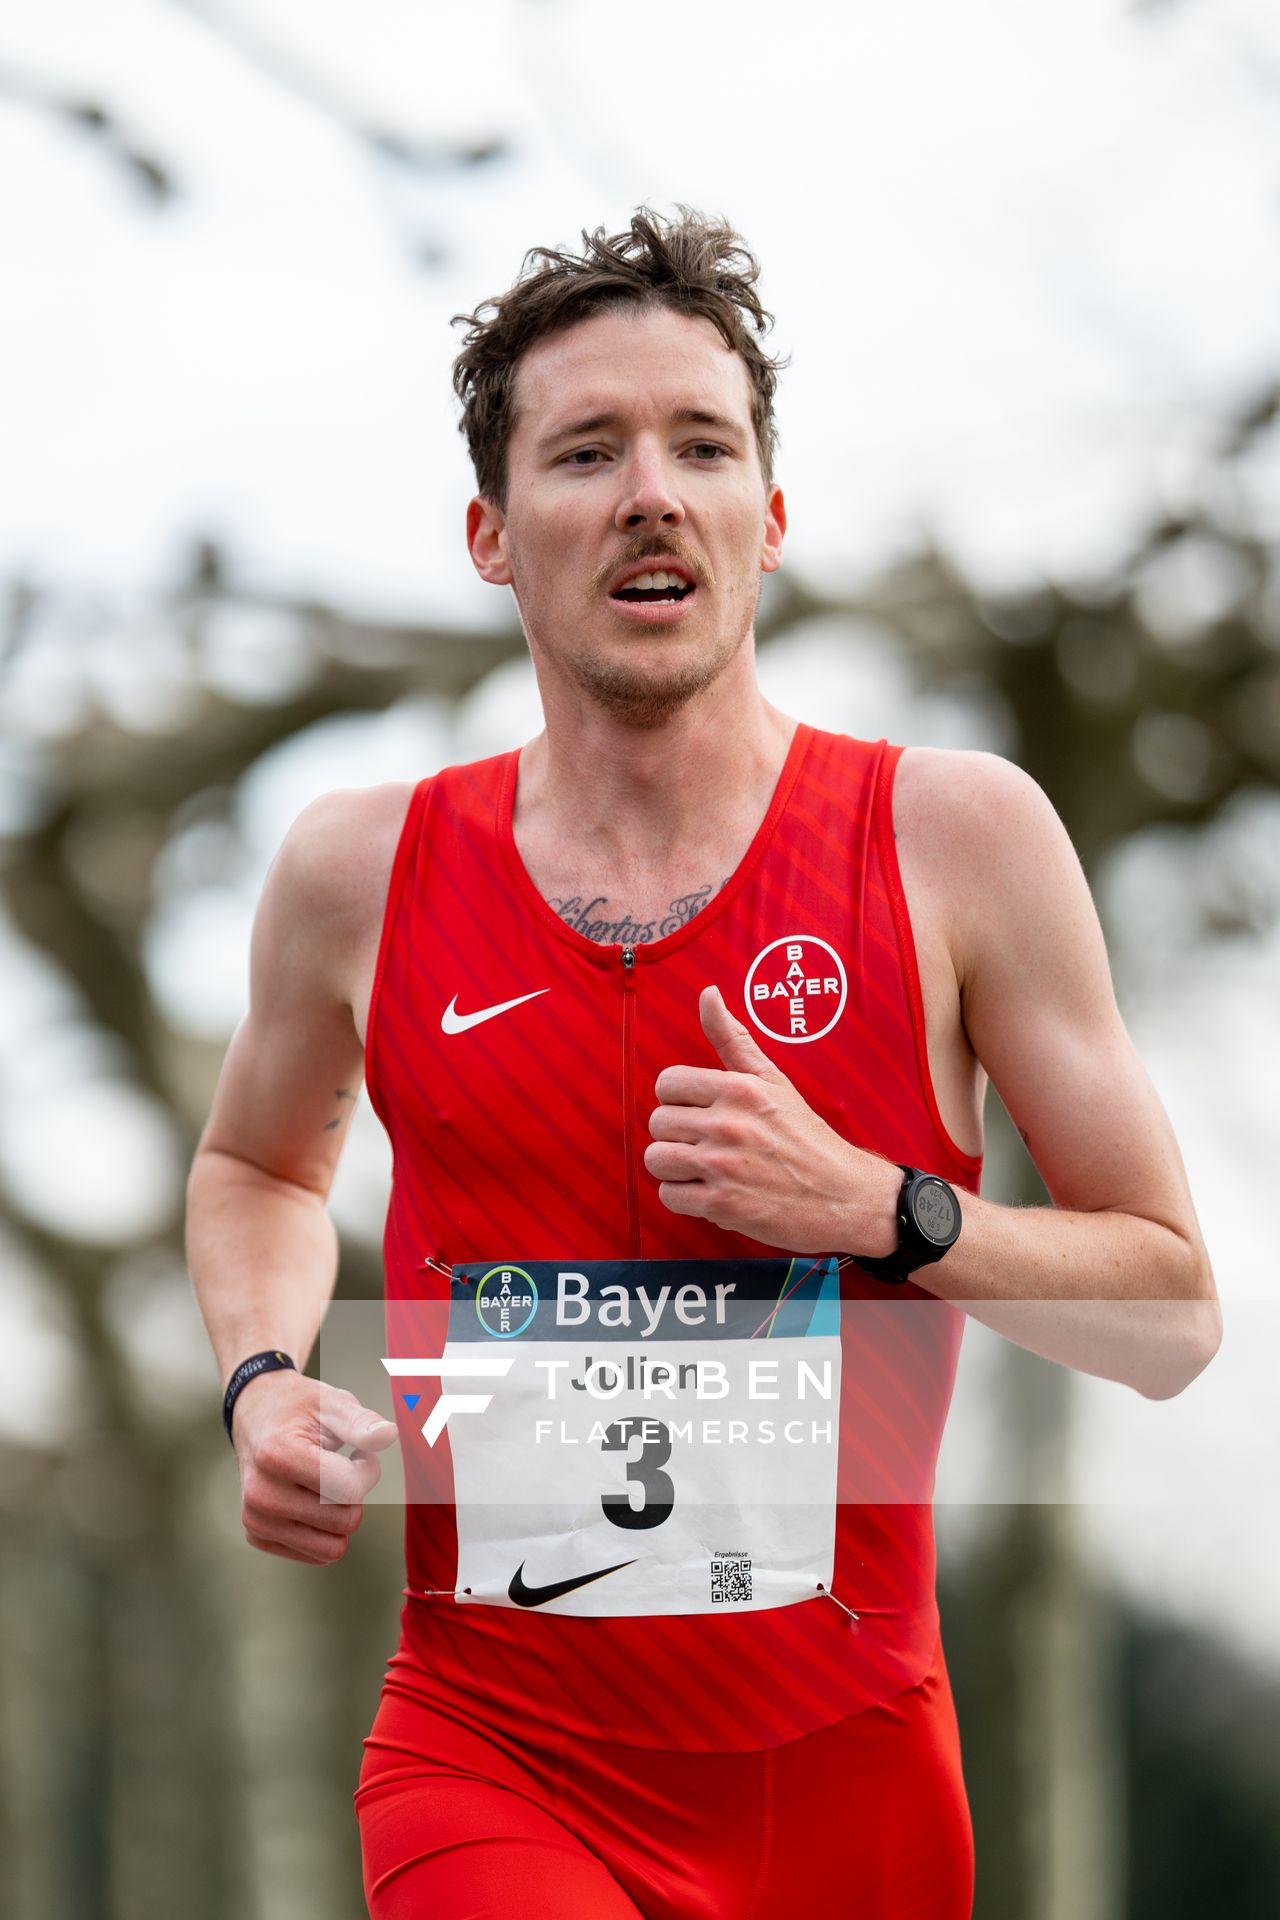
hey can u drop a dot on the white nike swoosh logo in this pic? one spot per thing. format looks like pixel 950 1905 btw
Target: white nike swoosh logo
pixel 451 1021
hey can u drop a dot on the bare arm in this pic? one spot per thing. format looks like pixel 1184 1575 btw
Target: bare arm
pixel 262 1250
pixel 1114 1278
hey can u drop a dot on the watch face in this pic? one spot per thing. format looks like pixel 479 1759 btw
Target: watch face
pixel 937 1213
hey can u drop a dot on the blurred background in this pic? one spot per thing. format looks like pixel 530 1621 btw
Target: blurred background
pixel 1026 261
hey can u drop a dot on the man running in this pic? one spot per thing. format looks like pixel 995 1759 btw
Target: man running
pixel 679 1021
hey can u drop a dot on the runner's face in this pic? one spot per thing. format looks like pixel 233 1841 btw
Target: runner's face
pixel 632 443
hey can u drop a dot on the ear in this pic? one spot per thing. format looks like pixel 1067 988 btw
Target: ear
pixel 487 541
pixel 775 526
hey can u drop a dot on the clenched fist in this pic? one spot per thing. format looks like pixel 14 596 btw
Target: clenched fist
pixel 286 1429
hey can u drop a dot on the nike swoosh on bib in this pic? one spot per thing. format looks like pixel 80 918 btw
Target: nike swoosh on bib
pixel 451 1021
pixel 537 1596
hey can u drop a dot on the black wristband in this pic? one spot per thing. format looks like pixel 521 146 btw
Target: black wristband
pixel 270 1362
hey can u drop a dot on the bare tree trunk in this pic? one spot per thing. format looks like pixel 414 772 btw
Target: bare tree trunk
pixel 1045 1767
pixel 1067 1790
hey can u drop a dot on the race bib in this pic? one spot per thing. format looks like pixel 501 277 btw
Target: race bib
pixel 652 1436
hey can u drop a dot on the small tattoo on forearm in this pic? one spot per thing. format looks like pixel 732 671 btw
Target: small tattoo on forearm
pixel 339 1093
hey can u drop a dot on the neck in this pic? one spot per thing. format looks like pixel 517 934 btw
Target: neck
pixel 635 796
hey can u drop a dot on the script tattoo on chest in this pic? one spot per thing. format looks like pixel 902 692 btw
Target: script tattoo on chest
pixel 597 920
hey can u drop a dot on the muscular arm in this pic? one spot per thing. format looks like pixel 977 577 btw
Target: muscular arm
pixel 261 1248
pixel 1114 1278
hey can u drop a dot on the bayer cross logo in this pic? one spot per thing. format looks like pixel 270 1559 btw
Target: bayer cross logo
pixel 506 1300
pixel 796 988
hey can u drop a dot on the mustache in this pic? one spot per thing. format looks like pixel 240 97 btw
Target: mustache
pixel 655 546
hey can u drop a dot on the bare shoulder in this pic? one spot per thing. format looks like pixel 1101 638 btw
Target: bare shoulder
pixel 998 861
pixel 958 813
pixel 333 870
pixel 965 796
pixel 340 848
pixel 985 841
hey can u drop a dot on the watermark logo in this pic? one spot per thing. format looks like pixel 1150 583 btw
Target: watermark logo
pixel 796 988
pixel 448 1369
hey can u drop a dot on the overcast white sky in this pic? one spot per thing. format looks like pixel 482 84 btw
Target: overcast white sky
pixel 1022 256
pixel 1025 256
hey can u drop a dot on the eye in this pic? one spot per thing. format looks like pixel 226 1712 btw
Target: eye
pixel 582 457
pixel 706 452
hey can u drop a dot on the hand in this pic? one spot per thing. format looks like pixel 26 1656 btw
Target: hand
pixel 742 1149
pixel 287 1430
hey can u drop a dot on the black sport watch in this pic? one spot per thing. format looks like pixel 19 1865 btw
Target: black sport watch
pixel 928 1226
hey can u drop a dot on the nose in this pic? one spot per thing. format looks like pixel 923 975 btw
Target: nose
pixel 648 496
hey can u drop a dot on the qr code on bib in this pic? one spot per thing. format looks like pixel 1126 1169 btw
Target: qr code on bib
pixel 730 1580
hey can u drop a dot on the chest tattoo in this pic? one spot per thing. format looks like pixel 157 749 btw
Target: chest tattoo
pixel 598 919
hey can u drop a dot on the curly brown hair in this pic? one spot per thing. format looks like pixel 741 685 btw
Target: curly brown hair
pixel 692 265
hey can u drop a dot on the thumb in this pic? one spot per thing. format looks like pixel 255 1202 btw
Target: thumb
pixel 351 1424
pixel 731 1039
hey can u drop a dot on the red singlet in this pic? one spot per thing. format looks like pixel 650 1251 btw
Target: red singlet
pixel 610 1741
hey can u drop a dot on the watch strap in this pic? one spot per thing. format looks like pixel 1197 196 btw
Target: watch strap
pixel 914 1250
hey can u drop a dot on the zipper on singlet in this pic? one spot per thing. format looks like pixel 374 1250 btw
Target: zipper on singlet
pixel 628 1121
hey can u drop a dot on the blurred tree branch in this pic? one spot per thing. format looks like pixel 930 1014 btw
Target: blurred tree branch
pixel 92 120
pixel 289 70
pixel 386 146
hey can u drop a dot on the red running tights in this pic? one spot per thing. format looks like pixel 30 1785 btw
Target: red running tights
pixel 866 1818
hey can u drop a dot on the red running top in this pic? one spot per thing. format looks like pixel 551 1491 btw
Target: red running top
pixel 521 1136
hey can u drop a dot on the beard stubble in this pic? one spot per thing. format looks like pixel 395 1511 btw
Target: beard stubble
pixel 639 697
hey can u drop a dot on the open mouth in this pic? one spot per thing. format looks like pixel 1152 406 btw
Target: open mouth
pixel 654 590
